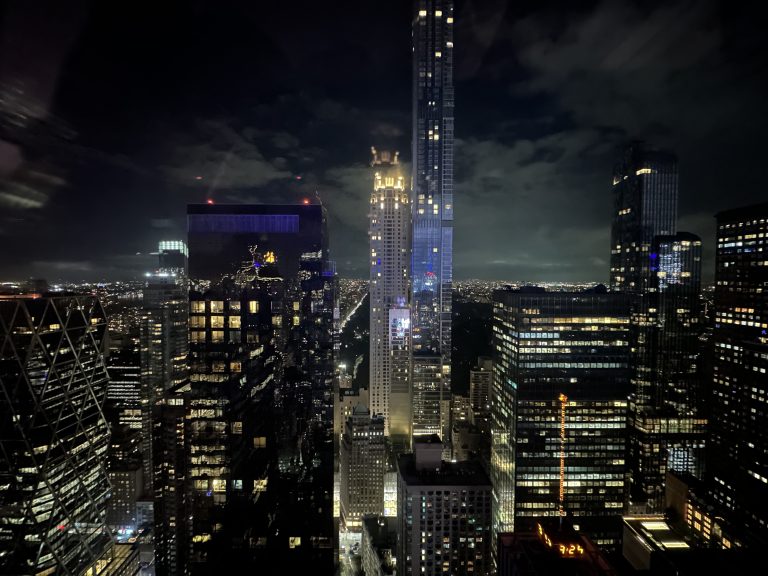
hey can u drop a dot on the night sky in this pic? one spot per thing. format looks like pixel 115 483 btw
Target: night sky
pixel 115 115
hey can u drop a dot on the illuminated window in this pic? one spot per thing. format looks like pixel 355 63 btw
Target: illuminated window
pixel 260 442
pixel 198 306
pixel 217 306
pixel 253 306
pixel 217 321
pixel 217 336
pixel 234 321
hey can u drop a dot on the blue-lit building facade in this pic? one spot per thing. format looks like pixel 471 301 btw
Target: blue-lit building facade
pixel 432 209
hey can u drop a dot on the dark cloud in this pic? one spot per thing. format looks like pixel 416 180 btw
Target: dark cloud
pixel 224 159
pixel 534 209
pixel 674 74
pixel 249 102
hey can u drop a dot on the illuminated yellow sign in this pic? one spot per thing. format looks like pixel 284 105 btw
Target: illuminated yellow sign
pixel 566 549
pixel 269 257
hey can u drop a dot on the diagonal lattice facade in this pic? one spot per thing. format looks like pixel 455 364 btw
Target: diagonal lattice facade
pixel 53 435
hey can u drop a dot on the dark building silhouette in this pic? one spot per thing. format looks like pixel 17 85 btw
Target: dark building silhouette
pixel 738 461
pixel 252 447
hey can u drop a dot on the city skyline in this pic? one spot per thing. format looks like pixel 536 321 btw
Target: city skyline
pixel 317 369
pixel 548 95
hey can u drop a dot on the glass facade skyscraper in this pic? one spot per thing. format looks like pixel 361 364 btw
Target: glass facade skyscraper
pixel 53 434
pixel 659 270
pixel 679 317
pixel 645 192
pixel 559 408
pixel 738 465
pixel 432 208
pixel 258 409
pixel 164 347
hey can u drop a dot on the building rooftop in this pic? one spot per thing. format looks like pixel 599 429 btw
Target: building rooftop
pixel 468 473
pixel 551 549
pixel 749 212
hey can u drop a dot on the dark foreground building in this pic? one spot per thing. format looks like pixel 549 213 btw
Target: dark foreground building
pixel 251 447
pixel 53 434
pixel 444 514
pixel 738 461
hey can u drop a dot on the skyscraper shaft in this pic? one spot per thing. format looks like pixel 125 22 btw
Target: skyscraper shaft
pixel 432 206
pixel 389 224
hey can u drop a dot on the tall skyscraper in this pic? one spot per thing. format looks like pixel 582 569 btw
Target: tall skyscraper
pixel 53 434
pixel 645 192
pixel 432 209
pixel 738 465
pixel 389 234
pixel 679 394
pixel 480 378
pixel 164 344
pixel 259 406
pixel 123 404
pixel 558 418
pixel 171 494
pixel 173 257
pixel 363 462
pixel 659 270
pixel 444 513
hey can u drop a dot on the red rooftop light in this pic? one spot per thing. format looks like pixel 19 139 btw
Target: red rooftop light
pixel 210 200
